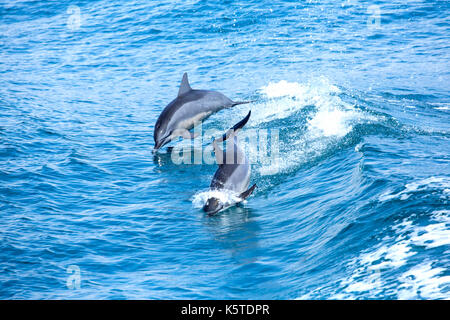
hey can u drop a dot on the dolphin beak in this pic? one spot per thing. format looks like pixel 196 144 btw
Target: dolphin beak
pixel 160 143
pixel 157 146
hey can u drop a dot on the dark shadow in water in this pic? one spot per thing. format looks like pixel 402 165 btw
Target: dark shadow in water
pixel 237 231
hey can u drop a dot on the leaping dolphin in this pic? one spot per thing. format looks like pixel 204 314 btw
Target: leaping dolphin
pixel 189 107
pixel 234 170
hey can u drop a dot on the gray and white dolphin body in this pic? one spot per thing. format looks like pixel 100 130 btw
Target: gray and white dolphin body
pixel 188 108
pixel 234 170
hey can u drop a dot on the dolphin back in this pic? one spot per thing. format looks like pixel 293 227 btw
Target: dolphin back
pixel 234 175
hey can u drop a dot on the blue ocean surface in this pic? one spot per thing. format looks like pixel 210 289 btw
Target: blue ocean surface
pixel 355 207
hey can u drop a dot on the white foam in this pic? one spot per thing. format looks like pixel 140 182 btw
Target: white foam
pixel 371 283
pixel 442 106
pixel 423 282
pixel 333 122
pixel 420 281
pixel 433 235
pixel 284 88
pixel 358 147
pixel 416 186
pixel 226 197
pixel 285 98
pixel 441 215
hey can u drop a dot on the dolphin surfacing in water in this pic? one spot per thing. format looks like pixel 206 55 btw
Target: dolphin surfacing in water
pixel 234 170
pixel 188 108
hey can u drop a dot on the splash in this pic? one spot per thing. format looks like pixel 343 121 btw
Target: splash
pixel 227 197
pixel 441 183
pixel 314 119
pixel 333 122
pixel 282 99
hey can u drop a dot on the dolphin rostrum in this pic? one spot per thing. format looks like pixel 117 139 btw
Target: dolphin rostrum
pixel 189 107
pixel 234 170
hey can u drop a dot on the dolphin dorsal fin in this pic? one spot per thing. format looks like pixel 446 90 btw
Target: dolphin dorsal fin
pixel 184 86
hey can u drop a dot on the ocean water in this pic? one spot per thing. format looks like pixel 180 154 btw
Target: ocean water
pixel 355 207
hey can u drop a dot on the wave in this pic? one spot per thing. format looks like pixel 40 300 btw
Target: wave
pixel 226 197
pixel 392 266
pixel 311 118
pixel 429 184
pixel 409 259
pixel 419 281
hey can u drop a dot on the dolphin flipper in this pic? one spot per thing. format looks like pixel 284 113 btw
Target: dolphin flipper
pixel 244 195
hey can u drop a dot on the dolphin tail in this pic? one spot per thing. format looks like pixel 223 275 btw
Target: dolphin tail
pixel 244 195
pixel 241 102
pixel 234 129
